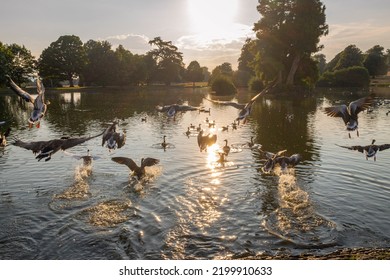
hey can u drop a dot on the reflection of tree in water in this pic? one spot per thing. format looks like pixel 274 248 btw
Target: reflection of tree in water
pixel 106 105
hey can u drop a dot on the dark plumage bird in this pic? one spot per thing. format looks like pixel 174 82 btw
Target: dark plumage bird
pixel 280 159
pixel 349 113
pixel 3 137
pixel 87 159
pixel 164 144
pixel 226 148
pixel 138 171
pixel 172 109
pixel 245 112
pixel 40 106
pixel 112 138
pixel 45 149
pixel 205 141
pixel 369 150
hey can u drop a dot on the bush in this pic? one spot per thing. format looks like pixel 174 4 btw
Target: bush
pixel 256 84
pixel 223 86
pixel 355 76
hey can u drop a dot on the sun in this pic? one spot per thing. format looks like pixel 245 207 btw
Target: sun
pixel 211 15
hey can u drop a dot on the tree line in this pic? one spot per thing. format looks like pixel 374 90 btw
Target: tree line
pixel 285 51
pixel 95 63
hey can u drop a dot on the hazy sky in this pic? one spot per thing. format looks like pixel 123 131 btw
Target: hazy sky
pixel 209 31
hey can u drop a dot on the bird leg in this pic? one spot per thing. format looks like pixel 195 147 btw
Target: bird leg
pixel 357 133
pixel 349 134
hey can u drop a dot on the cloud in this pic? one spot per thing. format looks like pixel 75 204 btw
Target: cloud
pixel 136 43
pixel 215 47
pixel 364 35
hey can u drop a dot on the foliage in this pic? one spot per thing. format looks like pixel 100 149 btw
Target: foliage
pixel 356 76
pixel 64 59
pixel 375 61
pixel 100 63
pixel 194 73
pixel 16 61
pixel 168 59
pixel 350 56
pixel 320 59
pixel 241 78
pixel 225 69
pixel 255 84
pixel 223 85
pixel 288 31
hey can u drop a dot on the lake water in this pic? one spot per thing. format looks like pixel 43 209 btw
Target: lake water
pixel 188 206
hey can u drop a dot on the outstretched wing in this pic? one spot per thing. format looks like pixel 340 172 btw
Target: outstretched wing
pixel 23 94
pixel 40 87
pixel 354 148
pixel 227 103
pixel 384 147
pixel 71 142
pixel 126 161
pixel 338 111
pixel 149 162
pixel 35 147
pixel 361 104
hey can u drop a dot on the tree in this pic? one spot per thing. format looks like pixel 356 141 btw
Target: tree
pixel 17 62
pixel 100 67
pixel 5 58
pixel 225 69
pixel 375 61
pixel 349 57
pixel 321 62
pixel 194 72
pixel 168 59
pixel 22 64
pixel 288 31
pixel 64 59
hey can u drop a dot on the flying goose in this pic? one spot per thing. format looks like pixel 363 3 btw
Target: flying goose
pixel 205 141
pixel 172 109
pixel 349 113
pixel 45 149
pixel 87 159
pixel 369 150
pixel 112 138
pixel 138 171
pixel 40 106
pixel 245 112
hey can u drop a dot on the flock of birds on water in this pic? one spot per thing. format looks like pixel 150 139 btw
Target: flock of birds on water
pixel 114 139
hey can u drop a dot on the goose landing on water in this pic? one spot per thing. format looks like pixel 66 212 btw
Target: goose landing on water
pixel 369 150
pixel 112 138
pixel 349 113
pixel 138 171
pixel 205 141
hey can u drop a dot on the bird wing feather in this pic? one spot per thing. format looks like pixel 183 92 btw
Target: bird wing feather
pixel 126 161
pixel 23 94
pixel 149 162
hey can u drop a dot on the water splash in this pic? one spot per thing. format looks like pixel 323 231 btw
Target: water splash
pixel 108 213
pixel 295 220
pixel 80 188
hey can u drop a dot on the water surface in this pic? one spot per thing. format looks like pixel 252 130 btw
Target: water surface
pixel 189 206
